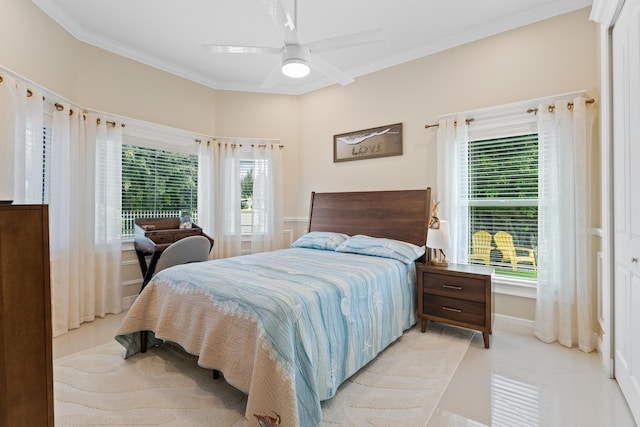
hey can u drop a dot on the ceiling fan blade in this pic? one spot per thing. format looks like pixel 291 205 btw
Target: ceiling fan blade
pixel 330 71
pixel 273 78
pixel 340 42
pixel 283 19
pixel 214 48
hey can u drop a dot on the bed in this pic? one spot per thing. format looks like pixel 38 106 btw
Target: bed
pixel 287 327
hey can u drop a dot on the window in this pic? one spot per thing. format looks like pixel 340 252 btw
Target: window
pixel 248 169
pixel 246 195
pixel 495 218
pixel 248 202
pixel 503 197
pixel 157 183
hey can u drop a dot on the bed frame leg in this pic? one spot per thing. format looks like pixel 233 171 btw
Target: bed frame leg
pixel 216 374
pixel 143 341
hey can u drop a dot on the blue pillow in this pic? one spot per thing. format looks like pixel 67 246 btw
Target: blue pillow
pixel 386 248
pixel 324 240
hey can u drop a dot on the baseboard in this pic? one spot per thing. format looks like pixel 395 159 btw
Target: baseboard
pixel 524 326
pixel 514 324
pixel 606 362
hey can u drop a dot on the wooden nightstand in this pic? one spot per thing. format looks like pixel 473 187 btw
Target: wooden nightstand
pixel 458 294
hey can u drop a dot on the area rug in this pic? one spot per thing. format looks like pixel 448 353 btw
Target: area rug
pixel 166 387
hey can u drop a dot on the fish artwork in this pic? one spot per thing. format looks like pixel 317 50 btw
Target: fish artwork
pixel 357 139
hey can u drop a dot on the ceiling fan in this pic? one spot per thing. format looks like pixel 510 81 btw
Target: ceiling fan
pixel 297 58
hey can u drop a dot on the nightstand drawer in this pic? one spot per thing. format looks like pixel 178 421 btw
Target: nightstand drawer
pixel 454 309
pixel 454 286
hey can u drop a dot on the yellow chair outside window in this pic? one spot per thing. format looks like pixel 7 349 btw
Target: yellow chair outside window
pixel 510 254
pixel 481 246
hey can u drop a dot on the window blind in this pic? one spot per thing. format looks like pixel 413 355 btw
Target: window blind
pixel 246 196
pixel 157 183
pixel 503 193
pixel 46 159
pixel 246 182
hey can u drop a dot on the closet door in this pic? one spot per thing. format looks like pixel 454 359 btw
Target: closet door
pixel 626 195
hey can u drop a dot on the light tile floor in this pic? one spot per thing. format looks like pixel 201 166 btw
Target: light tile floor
pixel 519 381
pixel 90 334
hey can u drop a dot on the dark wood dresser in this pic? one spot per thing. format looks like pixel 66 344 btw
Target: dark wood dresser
pixel 458 294
pixel 26 362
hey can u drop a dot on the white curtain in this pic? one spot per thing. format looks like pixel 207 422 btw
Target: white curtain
pixel 104 149
pixel 67 219
pixel 207 191
pixel 564 308
pixel 21 142
pixel 227 200
pixel 29 185
pixel 83 211
pixel 8 134
pixel 266 232
pixel 452 191
pixel 220 183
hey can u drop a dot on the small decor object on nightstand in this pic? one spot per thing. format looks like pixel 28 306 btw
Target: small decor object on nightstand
pixel 434 222
pixel 438 241
pixel 437 238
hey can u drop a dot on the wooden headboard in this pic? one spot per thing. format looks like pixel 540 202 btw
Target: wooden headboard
pixel 400 215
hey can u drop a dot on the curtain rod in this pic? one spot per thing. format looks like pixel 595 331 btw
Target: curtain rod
pixel 234 145
pixel 109 123
pixel 553 107
pixel 467 121
pixel 41 89
pixel 530 110
pixel 58 106
pixel 57 101
pixel 273 143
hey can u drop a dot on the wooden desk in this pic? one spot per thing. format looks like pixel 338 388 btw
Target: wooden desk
pixel 153 236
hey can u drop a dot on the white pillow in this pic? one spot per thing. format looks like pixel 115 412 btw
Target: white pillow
pixel 323 240
pixel 386 248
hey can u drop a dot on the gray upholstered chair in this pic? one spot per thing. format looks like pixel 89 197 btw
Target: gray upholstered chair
pixel 189 249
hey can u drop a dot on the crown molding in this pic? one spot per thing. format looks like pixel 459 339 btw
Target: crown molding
pixel 605 12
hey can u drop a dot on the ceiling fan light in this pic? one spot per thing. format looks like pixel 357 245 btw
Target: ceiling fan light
pixel 295 68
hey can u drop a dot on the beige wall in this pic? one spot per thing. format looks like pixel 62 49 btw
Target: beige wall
pixel 34 46
pixel 552 57
pixel 114 84
pixel 251 115
pixel 548 58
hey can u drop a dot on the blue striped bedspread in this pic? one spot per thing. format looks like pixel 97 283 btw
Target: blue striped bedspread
pixel 322 314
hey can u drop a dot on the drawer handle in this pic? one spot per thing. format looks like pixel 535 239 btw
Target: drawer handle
pixel 457 310
pixel 457 288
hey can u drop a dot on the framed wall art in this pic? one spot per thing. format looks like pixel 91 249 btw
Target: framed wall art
pixel 382 141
